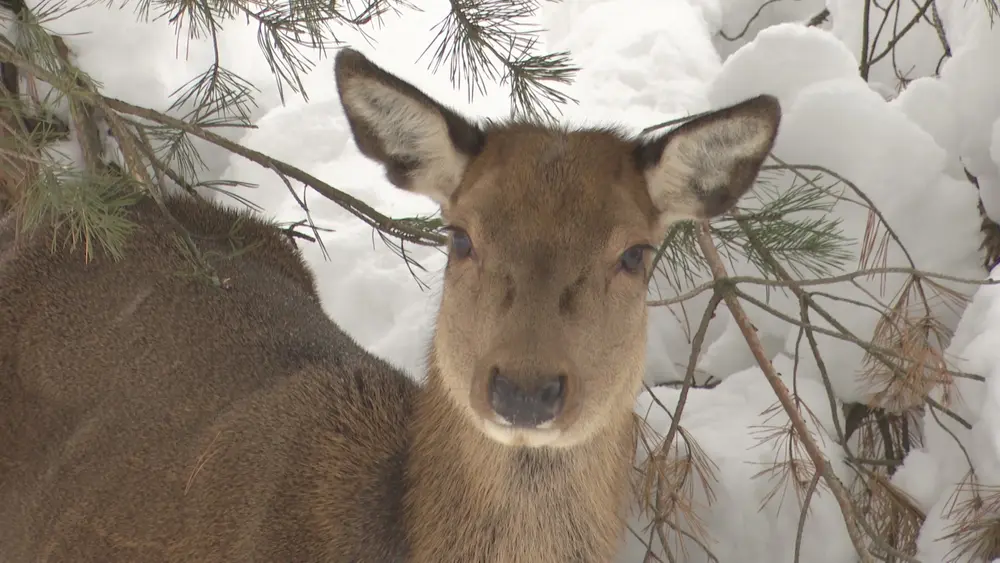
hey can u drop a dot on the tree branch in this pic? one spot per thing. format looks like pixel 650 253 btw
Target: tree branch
pixel 815 453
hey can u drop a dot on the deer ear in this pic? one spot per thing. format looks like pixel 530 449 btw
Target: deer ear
pixel 702 168
pixel 424 146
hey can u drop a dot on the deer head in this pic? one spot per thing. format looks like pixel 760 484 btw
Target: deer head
pixel 541 334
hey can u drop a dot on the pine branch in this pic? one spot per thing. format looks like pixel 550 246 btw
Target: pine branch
pixel 806 245
pixel 826 280
pixel 397 228
pixel 781 220
pixel 490 40
pixel 289 34
pixel 85 209
pixel 218 97
pixel 286 31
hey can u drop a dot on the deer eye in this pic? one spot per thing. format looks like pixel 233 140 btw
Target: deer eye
pixel 461 244
pixel 632 260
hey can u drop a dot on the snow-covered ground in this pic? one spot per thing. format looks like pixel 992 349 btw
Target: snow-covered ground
pixel 644 62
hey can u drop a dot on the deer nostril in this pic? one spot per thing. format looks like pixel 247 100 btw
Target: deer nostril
pixel 502 391
pixel 551 393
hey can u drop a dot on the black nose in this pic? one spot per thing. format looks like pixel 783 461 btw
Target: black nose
pixel 527 406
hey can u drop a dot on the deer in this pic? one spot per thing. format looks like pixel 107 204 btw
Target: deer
pixel 149 415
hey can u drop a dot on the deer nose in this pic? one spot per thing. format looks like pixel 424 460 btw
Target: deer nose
pixel 524 406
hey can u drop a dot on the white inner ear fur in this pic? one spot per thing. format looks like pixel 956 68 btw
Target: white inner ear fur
pixel 412 131
pixel 705 155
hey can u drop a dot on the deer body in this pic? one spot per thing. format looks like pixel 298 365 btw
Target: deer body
pixel 147 415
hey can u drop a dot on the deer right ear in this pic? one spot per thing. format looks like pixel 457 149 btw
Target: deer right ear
pixel 424 146
pixel 702 168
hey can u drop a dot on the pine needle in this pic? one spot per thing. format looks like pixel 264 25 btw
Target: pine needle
pixel 84 210
pixel 670 481
pixel 493 40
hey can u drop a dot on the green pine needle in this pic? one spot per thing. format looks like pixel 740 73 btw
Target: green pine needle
pixel 792 224
pixel 84 209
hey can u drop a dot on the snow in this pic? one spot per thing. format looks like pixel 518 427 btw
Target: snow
pixel 916 54
pixel 656 71
pixel 936 474
pixel 107 43
pixel 782 61
pixel 904 144
pixel 745 524
pixel 975 43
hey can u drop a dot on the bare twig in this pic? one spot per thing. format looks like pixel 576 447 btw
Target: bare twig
pixel 865 37
pixel 802 516
pixel 891 46
pixel 848 276
pixel 746 27
pixel 696 346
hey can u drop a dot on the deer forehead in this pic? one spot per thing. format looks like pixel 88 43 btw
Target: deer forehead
pixel 535 188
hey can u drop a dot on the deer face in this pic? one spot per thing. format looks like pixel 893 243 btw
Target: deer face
pixel 541 334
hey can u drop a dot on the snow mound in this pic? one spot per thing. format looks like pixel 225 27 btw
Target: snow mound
pixel 833 120
pixel 750 511
pixel 654 69
pixel 937 475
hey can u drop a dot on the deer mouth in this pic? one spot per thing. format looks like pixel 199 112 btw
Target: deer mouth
pixel 505 433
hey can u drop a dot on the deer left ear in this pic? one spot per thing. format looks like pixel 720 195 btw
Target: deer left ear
pixel 702 168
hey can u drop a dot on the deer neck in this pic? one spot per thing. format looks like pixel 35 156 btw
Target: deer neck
pixel 467 494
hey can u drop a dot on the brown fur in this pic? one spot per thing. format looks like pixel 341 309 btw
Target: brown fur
pixel 151 416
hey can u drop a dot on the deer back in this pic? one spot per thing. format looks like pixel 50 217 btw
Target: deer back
pixel 148 414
